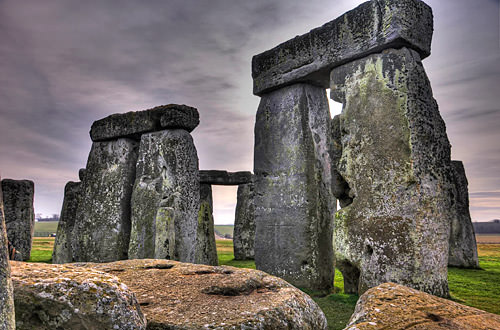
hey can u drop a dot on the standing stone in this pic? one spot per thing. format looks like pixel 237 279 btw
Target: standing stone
pixel 102 225
pixel 293 204
pixel 395 161
pixel 62 252
pixel 165 200
pixel 244 223
pixel 19 214
pixel 206 249
pixel 7 321
pixel 463 248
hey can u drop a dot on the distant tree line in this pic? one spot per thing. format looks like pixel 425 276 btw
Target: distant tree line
pixel 53 217
pixel 490 227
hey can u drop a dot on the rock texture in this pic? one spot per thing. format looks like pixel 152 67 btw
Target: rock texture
pixel 62 252
pixel 180 296
pixel 369 28
pixel 165 200
pixel 19 214
pixel 293 204
pixel 395 161
pixel 69 297
pixel 244 223
pixel 135 123
pixel 463 248
pixel 7 321
pixel 225 178
pixel 102 227
pixel 206 249
pixel 396 307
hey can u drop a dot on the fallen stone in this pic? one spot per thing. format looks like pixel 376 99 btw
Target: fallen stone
pixel 165 199
pixel 396 307
pixel 244 223
pixel 135 123
pixel 225 178
pixel 181 296
pixel 19 214
pixel 396 163
pixel 7 320
pixel 69 297
pixel 206 249
pixel 101 232
pixel 62 252
pixel 463 248
pixel 371 27
pixel 292 193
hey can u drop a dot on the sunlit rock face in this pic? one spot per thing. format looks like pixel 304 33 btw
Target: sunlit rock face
pixel 463 247
pixel 244 223
pixel 395 167
pixel 292 194
pixel 7 319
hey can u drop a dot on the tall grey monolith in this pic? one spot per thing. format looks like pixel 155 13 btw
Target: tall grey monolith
pixel 7 320
pixel 244 223
pixel 18 198
pixel 395 161
pixel 292 173
pixel 165 199
pixel 206 249
pixel 101 231
pixel 463 248
pixel 62 252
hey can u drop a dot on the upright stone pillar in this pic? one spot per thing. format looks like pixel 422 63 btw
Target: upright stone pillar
pixel 206 249
pixel 102 226
pixel 463 248
pixel 165 201
pixel 244 223
pixel 19 214
pixel 395 161
pixel 62 252
pixel 7 319
pixel 293 204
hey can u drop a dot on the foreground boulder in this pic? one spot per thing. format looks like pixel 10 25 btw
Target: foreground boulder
pixel 393 306
pixel 179 296
pixel 70 297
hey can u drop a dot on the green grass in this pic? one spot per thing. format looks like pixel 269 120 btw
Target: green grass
pixel 224 229
pixel 45 228
pixel 476 288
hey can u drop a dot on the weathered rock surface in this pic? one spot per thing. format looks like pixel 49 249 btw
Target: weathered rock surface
pixel 206 249
pixel 7 321
pixel 396 307
pixel 292 193
pixel 369 28
pixel 70 297
pixel 180 296
pixel 102 226
pixel 225 178
pixel 463 248
pixel 165 200
pixel 244 223
pixel 396 162
pixel 19 214
pixel 62 252
pixel 81 173
pixel 135 123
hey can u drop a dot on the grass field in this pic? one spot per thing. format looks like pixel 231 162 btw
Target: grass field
pixel 224 229
pixel 477 288
pixel 45 228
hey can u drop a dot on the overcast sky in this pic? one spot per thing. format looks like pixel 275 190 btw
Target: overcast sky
pixel 66 63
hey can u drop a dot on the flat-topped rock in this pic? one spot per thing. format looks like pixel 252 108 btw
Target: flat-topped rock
pixel 70 297
pixel 225 178
pixel 135 123
pixel 179 296
pixel 371 27
pixel 396 307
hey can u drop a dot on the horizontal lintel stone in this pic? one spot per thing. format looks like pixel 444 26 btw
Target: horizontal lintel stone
pixel 135 123
pixel 225 178
pixel 369 28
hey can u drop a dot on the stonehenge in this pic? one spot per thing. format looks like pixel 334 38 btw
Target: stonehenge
pixel 7 319
pixel 463 248
pixel 244 223
pixel 206 249
pixel 18 198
